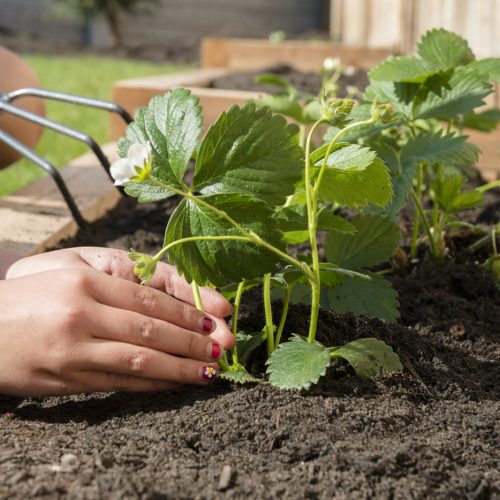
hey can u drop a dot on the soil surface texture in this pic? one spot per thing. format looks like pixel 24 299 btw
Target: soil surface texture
pixel 303 81
pixel 431 432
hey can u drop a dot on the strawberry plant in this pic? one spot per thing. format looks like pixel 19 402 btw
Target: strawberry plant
pixel 255 192
pixel 435 95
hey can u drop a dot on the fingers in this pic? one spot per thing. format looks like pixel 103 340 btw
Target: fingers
pixel 166 278
pixel 141 362
pixel 125 295
pixel 140 330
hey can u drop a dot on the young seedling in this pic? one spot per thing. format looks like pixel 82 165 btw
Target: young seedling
pixel 254 190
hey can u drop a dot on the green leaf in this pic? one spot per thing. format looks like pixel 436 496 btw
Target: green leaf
pixel 467 90
pixel 442 49
pixel 238 377
pixel 489 67
pixel 146 191
pixel 375 241
pixel 357 189
pixel 448 193
pixel 384 92
pixel 175 127
pixel 446 189
pixel 402 184
pixel 345 157
pixel 222 262
pixel 282 104
pixel 294 218
pixel 229 291
pixel 329 274
pixel 431 146
pixel 272 79
pixel 369 357
pixel 467 200
pixel 250 151
pixel 247 343
pixel 401 69
pixel 373 298
pixel 297 364
pixel 485 121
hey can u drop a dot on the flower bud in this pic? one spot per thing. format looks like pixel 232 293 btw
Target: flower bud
pixel 145 265
pixel 337 112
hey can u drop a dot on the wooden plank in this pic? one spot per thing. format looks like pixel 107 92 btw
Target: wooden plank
pixel 489 160
pixel 36 217
pixel 304 55
pixel 213 52
pixel 136 92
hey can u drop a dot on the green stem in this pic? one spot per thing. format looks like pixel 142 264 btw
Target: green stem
pixel 166 248
pixel 302 134
pixel 416 220
pixel 255 238
pixel 425 222
pixel 197 296
pixel 284 314
pixel 236 308
pixel 487 187
pixel 199 305
pixel 269 313
pixel 312 210
pixel 494 241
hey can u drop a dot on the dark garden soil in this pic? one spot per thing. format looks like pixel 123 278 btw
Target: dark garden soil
pixel 306 82
pixel 431 432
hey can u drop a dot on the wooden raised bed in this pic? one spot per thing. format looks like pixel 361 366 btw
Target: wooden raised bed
pixel 36 217
pixel 306 55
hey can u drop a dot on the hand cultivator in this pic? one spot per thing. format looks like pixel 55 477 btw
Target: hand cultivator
pixel 7 107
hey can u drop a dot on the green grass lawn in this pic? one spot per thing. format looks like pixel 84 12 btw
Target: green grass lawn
pixel 87 76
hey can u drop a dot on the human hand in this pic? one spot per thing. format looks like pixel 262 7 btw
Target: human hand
pixel 116 263
pixel 79 329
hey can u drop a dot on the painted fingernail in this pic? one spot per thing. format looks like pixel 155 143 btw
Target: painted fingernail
pixel 207 373
pixel 215 351
pixel 208 325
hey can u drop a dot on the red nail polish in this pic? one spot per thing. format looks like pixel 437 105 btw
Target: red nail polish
pixel 207 373
pixel 216 351
pixel 208 325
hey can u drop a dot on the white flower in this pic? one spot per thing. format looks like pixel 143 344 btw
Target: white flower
pixel 137 162
pixel 331 64
pixel 350 71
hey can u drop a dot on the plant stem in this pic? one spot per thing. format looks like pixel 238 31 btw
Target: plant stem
pixel 494 241
pixel 425 223
pixel 269 313
pixel 302 134
pixel 487 187
pixel 236 308
pixel 311 204
pixel 416 220
pixel 199 305
pixel 197 296
pixel 284 314
pixel 255 238
pixel 166 248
